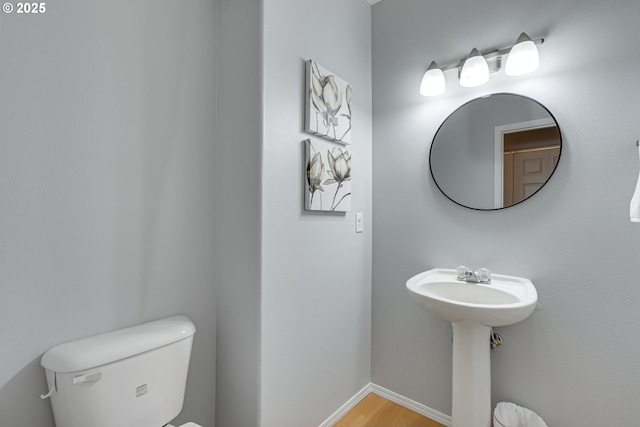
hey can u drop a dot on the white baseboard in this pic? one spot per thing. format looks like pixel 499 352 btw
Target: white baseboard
pixel 329 422
pixel 411 404
pixel 389 395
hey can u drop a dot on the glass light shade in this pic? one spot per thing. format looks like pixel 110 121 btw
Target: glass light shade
pixel 433 83
pixel 475 70
pixel 523 57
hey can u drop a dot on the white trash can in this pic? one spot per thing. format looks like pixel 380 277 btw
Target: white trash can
pixel 509 414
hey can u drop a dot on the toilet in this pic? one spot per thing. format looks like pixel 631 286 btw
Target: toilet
pixel 132 377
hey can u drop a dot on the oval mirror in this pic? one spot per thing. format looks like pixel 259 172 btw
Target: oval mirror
pixel 495 152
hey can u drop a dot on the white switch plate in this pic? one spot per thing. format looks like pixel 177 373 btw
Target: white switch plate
pixel 359 225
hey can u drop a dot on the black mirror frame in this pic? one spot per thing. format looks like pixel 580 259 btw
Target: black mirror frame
pixel 483 97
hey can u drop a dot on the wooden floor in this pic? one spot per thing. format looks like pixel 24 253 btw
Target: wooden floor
pixel 376 411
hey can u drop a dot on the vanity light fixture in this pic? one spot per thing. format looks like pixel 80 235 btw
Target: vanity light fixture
pixel 522 58
pixel 433 81
pixel 475 70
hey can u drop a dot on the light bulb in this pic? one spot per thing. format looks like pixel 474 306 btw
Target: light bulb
pixel 523 57
pixel 475 70
pixel 433 83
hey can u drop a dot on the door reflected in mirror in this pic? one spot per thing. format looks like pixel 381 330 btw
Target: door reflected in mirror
pixel 495 152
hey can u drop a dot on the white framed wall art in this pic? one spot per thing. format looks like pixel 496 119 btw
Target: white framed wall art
pixel 328 104
pixel 328 177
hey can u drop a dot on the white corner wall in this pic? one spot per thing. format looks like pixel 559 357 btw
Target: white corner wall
pixel 316 271
pixel 107 129
pixel 575 361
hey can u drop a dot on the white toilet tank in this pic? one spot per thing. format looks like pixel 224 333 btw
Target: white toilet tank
pixel 132 377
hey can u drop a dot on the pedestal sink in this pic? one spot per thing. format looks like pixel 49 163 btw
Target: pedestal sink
pixel 472 308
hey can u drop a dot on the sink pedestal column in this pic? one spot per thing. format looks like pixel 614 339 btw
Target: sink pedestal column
pixel 471 398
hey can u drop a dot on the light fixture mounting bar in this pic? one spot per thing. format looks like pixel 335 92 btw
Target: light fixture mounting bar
pixel 487 56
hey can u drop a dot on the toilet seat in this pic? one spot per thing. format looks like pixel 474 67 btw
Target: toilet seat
pixel 185 425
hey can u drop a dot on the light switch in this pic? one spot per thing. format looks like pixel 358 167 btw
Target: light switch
pixel 359 225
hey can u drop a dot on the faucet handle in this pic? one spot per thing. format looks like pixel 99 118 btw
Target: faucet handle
pixel 463 272
pixel 484 275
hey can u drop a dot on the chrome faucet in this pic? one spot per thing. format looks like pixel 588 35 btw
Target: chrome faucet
pixel 481 275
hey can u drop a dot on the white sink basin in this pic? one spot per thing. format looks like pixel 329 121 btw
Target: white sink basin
pixel 472 309
pixel 504 301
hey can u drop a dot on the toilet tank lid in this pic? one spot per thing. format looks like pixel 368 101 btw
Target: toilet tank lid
pixel 112 346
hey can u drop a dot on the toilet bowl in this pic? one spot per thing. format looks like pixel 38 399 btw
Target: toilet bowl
pixel 185 425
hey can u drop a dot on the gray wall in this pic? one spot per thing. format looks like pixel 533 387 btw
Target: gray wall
pixel 316 271
pixel 237 188
pixel 107 131
pixel 575 361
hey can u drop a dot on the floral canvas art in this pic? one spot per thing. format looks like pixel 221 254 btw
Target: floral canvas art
pixel 328 177
pixel 328 100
